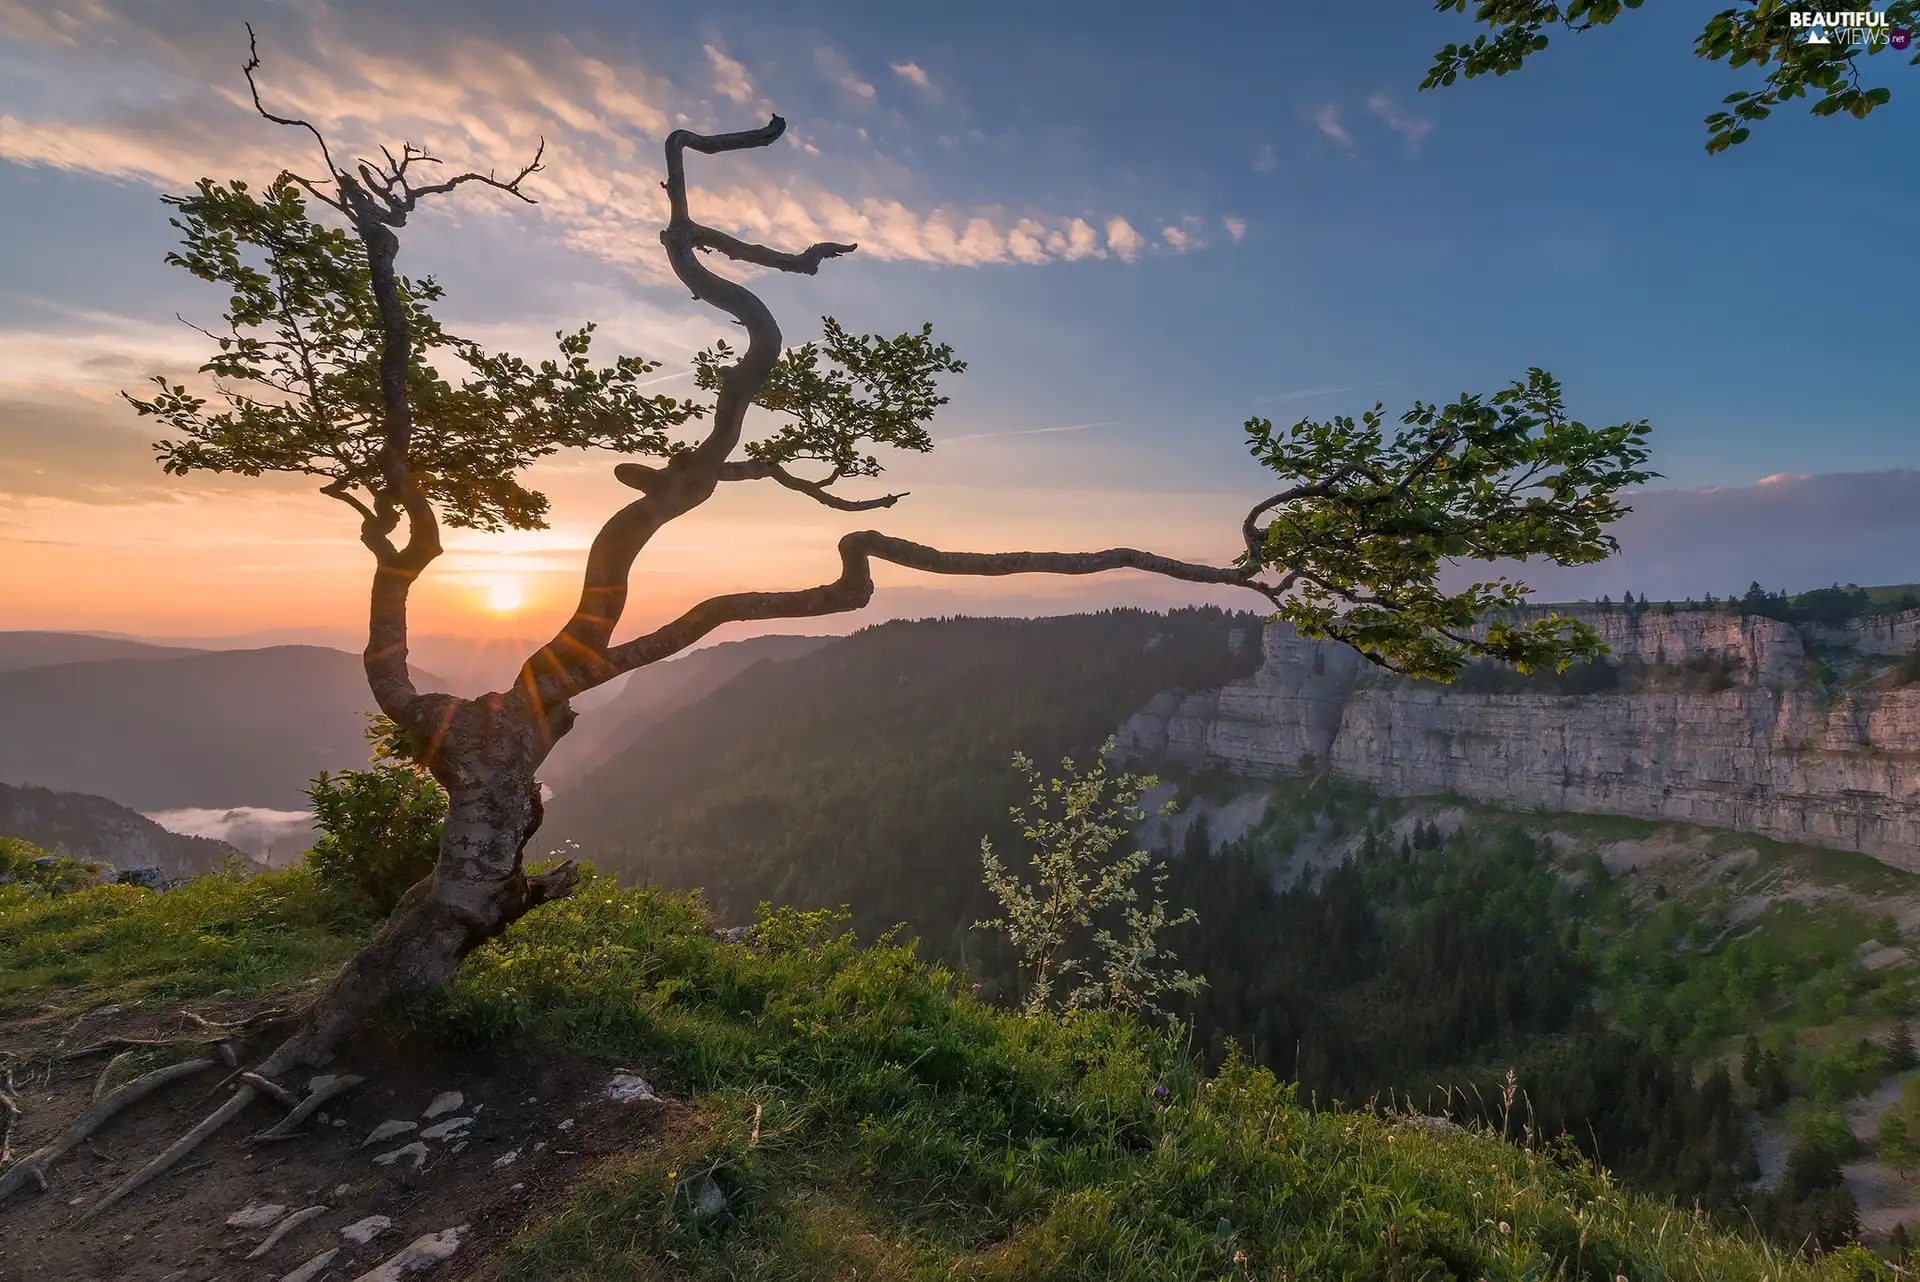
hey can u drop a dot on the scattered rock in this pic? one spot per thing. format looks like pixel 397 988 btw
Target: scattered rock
pixel 285 1227
pixel 506 1159
pixel 732 934
pixel 417 1256
pixel 387 1130
pixel 416 1150
pixel 361 1232
pixel 515 1188
pixel 338 1122
pixel 321 1082
pixel 567 1124
pixel 708 1200
pixel 256 1217
pixel 460 1147
pixel 445 1102
pixel 1436 1124
pixel 341 1190
pixel 446 1130
pixel 178 1275
pixel 312 1268
pixel 627 1089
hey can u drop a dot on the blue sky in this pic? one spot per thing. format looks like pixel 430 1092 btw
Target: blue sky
pixel 1246 210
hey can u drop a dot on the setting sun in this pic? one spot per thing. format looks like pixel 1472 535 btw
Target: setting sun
pixel 504 595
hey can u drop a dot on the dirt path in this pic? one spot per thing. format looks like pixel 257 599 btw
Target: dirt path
pixel 519 1135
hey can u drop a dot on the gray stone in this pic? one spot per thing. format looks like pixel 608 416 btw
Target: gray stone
pixel 256 1216
pixel 387 1130
pixel 416 1152
pixel 445 1102
pixel 1773 754
pixel 628 1088
pixel 446 1130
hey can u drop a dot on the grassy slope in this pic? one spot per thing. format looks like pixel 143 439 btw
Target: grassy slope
pixel 905 1129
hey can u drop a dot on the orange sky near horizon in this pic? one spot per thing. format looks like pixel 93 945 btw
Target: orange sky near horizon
pixel 214 557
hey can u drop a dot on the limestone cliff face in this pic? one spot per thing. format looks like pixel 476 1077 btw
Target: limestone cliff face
pixel 1771 753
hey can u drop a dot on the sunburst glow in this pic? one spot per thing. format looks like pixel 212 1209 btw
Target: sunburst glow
pixel 505 595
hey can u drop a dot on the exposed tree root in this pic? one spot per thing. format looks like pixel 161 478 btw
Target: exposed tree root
pixel 212 1033
pixel 106 1075
pixel 287 1098
pixel 288 1125
pixel 33 1168
pixel 285 1227
pixel 313 1268
pixel 13 1115
pixel 178 1149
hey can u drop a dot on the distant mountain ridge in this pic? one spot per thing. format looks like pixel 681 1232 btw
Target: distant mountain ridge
pixel 22 650
pixel 218 729
pixel 102 831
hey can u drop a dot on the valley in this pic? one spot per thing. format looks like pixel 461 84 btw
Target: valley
pixel 1716 1015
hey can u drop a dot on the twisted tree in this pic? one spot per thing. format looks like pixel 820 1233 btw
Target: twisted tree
pixel 331 362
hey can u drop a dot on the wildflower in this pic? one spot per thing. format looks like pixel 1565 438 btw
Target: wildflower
pixel 1240 1259
pixel 1504 1227
pixel 1162 1093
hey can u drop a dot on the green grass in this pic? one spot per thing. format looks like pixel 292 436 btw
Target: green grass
pixel 908 1130
pixel 867 1116
pixel 130 945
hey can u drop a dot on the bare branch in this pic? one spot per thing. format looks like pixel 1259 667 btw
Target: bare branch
pixel 761 470
pixel 292 122
pixel 509 185
pixel 1250 528
pixel 576 659
pixel 854 588
pixel 807 262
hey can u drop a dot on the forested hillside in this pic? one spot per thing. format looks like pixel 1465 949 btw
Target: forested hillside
pixel 866 773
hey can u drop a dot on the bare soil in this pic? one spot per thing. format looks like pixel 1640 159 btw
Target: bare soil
pixel 554 1116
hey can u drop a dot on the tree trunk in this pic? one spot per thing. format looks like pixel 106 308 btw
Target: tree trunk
pixel 485 760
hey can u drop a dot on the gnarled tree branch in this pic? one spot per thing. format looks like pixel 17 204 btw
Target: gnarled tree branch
pixel 376 203
pixel 854 588
pixel 643 478
pixel 577 658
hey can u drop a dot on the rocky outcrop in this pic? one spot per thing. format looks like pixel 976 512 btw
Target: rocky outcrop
pixel 1768 752
pixel 101 831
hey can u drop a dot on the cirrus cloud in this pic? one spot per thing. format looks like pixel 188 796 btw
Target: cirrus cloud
pixel 480 102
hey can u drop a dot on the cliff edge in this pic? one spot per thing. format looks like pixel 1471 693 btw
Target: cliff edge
pixel 1745 723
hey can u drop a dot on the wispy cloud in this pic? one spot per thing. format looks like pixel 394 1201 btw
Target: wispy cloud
pixel 729 77
pixel 1236 227
pixel 1413 130
pixel 1030 431
pixel 1122 239
pixel 1264 161
pixel 912 73
pixel 1301 394
pixel 1327 121
pixel 177 111
pixel 1184 235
